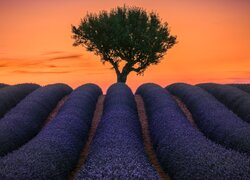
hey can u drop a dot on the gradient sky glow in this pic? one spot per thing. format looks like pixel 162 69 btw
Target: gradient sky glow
pixel 36 45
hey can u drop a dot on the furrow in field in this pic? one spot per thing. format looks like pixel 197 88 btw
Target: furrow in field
pixel 146 137
pixel 235 99
pixel 55 151
pixel 25 120
pixel 10 96
pixel 117 150
pixel 213 118
pixel 182 150
pixel 85 151
pixel 244 87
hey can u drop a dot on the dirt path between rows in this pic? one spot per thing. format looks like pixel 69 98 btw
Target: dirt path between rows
pixel 95 121
pixel 146 138
pixel 185 110
pixel 55 111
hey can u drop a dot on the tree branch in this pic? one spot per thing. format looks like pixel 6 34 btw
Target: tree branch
pixel 138 70
pixel 115 65
pixel 128 67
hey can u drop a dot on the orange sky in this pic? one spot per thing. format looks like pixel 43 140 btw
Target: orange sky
pixel 36 44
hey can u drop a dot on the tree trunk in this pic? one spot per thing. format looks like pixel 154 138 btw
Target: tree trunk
pixel 122 78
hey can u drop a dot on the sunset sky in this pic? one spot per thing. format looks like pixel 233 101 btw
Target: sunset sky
pixel 36 45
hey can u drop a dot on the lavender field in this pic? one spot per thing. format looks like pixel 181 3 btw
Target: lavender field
pixel 178 132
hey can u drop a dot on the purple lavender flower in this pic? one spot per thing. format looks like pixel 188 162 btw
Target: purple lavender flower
pixel 215 120
pixel 235 99
pixel 117 151
pixel 54 152
pixel 243 87
pixel 3 85
pixel 11 95
pixel 183 151
pixel 24 121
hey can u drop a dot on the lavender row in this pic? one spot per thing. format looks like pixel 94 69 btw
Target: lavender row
pixel 11 95
pixel 243 87
pixel 3 85
pixel 55 151
pixel 117 151
pixel 213 118
pixel 24 121
pixel 235 99
pixel 182 150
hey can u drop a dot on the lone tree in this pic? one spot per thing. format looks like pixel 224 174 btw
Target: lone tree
pixel 125 36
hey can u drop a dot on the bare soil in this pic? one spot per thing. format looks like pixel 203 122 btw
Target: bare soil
pixel 146 138
pixel 145 132
pixel 96 119
pixel 53 114
pixel 185 110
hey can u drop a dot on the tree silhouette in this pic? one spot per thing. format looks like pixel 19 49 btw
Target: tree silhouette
pixel 127 36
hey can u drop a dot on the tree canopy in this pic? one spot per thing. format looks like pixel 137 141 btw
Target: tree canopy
pixel 125 34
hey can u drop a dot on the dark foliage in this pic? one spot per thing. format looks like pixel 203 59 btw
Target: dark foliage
pixel 11 95
pixel 24 121
pixel 127 34
pixel 183 151
pixel 54 152
pixel 213 118
pixel 244 87
pixel 235 99
pixel 117 151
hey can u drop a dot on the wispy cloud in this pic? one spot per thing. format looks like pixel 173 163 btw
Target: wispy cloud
pixel 41 62
pixel 73 56
pixel 241 81
pixel 52 66
pixel 52 53
pixel 95 73
pixel 240 76
pixel 41 72
pixel 9 62
pixel 4 65
pixel 239 71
